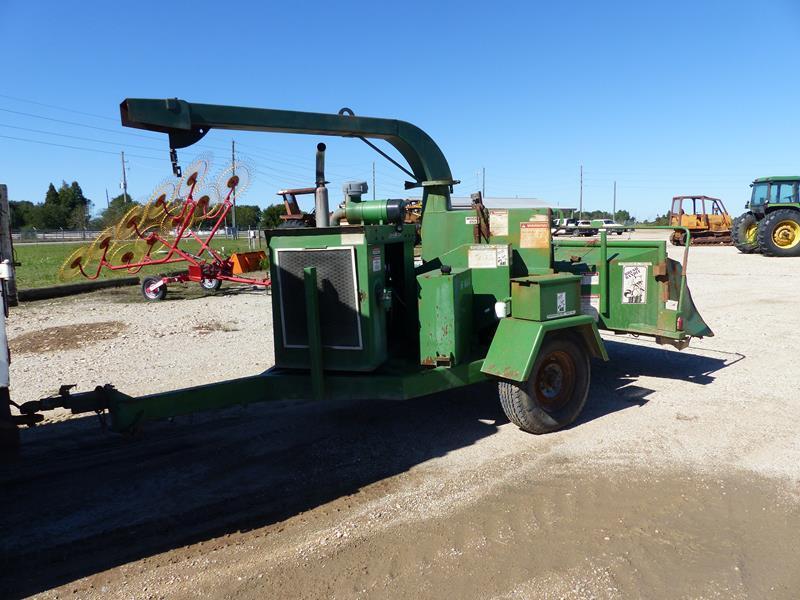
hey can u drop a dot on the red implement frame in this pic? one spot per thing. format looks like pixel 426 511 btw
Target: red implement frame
pixel 199 270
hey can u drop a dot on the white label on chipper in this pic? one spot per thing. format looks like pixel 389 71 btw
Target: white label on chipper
pixel 634 283
pixel 488 256
pixel 561 302
pixel 590 305
pixel 590 279
pixel 376 259
pixel 498 222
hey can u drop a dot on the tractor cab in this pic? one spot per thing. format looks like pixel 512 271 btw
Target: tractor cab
pixel 771 224
pixel 769 191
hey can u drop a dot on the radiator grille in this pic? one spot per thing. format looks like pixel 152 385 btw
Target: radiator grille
pixel 340 323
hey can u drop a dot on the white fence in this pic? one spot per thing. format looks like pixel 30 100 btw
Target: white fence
pixel 35 236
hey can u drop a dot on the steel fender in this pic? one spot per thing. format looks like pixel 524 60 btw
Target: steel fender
pixel 516 344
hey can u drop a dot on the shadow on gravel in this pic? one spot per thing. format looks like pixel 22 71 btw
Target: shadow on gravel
pixel 176 291
pixel 79 500
pixel 614 386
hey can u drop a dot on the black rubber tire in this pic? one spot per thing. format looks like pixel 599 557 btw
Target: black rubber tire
pixel 211 285
pixel 159 294
pixel 520 402
pixel 767 226
pixel 292 224
pixel 739 233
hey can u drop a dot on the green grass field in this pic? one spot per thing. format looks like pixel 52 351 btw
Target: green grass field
pixel 41 262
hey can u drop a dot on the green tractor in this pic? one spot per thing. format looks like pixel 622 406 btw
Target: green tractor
pixel 772 223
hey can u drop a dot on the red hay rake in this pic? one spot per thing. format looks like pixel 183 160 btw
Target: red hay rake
pixel 152 234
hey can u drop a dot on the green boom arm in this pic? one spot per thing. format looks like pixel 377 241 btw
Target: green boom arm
pixel 187 123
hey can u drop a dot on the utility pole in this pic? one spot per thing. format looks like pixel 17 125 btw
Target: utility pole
pixel 373 180
pixel 614 214
pixel 107 201
pixel 233 211
pixel 580 206
pixel 483 184
pixel 124 181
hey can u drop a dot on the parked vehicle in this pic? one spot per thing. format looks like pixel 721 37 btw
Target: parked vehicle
pixel 772 223
pixel 704 217
pixel 608 225
pixel 564 226
pixel 585 227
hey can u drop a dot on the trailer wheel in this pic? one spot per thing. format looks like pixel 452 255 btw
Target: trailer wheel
pixel 744 232
pixel 153 294
pixel 779 233
pixel 556 390
pixel 211 285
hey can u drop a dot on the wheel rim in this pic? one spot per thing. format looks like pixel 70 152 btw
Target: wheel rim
pixel 751 233
pixel 555 381
pixel 208 283
pixel 786 234
pixel 152 292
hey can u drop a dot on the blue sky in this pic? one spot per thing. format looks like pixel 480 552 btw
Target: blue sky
pixel 666 98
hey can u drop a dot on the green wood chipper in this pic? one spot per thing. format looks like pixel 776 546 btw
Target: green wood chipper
pixel 357 313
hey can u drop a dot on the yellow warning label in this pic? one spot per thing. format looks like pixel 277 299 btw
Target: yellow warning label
pixel 535 233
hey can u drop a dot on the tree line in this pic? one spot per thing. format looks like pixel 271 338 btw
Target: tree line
pixel 63 208
pixel 68 208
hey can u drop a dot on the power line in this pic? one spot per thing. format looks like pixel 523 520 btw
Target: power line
pixel 75 137
pixel 77 112
pixel 19 139
pixel 35 116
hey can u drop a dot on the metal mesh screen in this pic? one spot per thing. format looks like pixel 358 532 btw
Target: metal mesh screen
pixel 338 296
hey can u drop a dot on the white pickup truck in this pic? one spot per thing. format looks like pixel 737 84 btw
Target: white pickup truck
pixel 608 226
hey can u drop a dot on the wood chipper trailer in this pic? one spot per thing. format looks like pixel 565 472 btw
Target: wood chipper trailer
pixel 495 299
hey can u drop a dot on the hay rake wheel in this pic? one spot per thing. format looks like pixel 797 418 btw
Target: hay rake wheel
pixel 71 267
pixel 152 234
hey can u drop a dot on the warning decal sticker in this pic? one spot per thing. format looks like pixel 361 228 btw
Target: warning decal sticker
pixel 634 283
pixel 535 233
pixel 498 222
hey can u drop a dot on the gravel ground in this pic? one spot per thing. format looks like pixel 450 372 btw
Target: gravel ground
pixel 189 339
pixel 681 479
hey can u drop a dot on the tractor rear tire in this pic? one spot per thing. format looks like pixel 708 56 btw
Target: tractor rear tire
pixel 153 295
pixel 744 232
pixel 556 390
pixel 779 233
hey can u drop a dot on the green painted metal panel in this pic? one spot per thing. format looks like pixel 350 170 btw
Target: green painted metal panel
pixel 366 249
pixel 445 316
pixel 545 297
pixel 635 289
pixel 516 344
pixel 491 266
pixel 186 123
pixel 444 230
pixel 777 178
pixel 392 383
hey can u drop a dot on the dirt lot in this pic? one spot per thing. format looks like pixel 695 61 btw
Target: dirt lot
pixel 680 479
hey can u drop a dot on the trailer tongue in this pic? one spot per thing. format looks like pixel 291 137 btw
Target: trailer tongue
pixel 495 299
